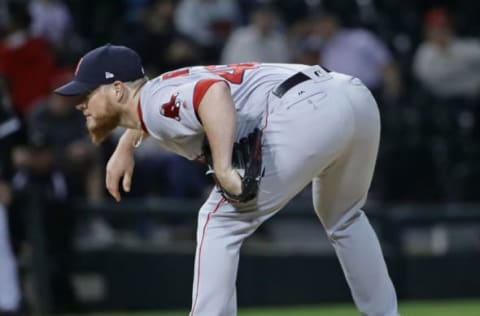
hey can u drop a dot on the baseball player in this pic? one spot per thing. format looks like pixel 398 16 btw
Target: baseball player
pixel 267 131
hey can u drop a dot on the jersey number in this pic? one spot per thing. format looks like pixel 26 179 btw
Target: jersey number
pixel 232 72
pixel 176 73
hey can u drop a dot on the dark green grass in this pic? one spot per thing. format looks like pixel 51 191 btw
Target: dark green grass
pixel 430 308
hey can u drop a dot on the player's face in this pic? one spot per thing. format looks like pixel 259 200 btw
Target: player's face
pixel 102 117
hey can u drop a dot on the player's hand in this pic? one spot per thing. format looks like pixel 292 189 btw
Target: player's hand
pixel 230 181
pixel 119 167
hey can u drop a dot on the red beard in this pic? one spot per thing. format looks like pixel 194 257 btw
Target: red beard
pixel 102 127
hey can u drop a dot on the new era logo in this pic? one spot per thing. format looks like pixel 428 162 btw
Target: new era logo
pixel 108 75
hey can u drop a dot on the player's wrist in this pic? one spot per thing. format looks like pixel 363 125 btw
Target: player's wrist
pixel 230 180
pixel 130 140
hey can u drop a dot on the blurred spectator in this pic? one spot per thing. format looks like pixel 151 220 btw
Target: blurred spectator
pixel 158 42
pixel 180 178
pixel 96 21
pixel 73 153
pixel 134 10
pixel 207 22
pixel 355 51
pixel 9 285
pixel 11 134
pixel 38 167
pixel 51 19
pixel 258 41
pixel 303 46
pixel 41 176
pixel 3 16
pixel 26 62
pixel 448 66
pixel 291 11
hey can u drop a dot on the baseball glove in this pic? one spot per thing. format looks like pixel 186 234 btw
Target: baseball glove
pixel 247 161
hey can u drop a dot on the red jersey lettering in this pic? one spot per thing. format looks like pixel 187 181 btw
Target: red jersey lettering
pixel 176 73
pixel 233 72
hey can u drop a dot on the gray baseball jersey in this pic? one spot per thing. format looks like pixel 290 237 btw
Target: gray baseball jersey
pixel 318 126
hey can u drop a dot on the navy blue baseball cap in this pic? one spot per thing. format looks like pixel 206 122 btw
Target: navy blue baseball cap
pixel 103 65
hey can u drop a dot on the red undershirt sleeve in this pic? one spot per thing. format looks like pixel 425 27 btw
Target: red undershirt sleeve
pixel 201 87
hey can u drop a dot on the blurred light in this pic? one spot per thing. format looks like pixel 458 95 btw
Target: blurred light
pixel 313 3
pixel 364 2
pixel 402 43
pixel 466 120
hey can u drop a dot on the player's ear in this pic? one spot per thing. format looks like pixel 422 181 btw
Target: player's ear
pixel 118 89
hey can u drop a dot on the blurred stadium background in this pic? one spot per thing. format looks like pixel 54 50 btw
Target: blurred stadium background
pixel 67 248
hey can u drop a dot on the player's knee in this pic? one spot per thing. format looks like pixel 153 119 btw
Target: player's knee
pixel 340 229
